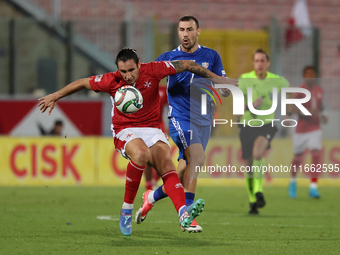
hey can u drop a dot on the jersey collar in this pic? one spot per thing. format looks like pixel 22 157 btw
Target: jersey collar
pixel 179 49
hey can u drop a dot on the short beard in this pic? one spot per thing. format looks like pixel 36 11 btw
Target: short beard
pixel 190 47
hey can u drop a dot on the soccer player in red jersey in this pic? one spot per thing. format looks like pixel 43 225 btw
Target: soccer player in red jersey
pixel 308 134
pixel 137 136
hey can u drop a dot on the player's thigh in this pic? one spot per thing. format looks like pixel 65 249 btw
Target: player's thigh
pixel 198 142
pixel 264 135
pixel 130 144
pixel 161 158
pixel 314 141
pixel 299 142
pixel 260 145
pixel 138 151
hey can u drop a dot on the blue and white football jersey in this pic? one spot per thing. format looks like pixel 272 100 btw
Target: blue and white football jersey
pixel 178 85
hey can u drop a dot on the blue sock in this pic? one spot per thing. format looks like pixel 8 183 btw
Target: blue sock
pixel 159 194
pixel 189 197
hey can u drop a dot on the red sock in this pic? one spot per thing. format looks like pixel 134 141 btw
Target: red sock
pixel 316 160
pixel 133 176
pixel 174 188
pixel 295 164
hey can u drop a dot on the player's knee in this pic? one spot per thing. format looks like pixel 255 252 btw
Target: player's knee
pixel 257 155
pixel 197 160
pixel 141 156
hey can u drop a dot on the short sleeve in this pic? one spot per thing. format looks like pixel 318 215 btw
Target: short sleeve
pixel 218 66
pixel 102 82
pixel 161 69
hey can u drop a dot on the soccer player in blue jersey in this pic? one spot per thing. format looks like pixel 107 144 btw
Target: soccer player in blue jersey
pixel 189 129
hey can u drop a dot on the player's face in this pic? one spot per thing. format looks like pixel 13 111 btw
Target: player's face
pixel 260 63
pixel 129 70
pixel 309 75
pixel 188 34
pixel 58 129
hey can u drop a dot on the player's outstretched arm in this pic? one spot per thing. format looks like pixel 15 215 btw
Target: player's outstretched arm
pixel 50 100
pixel 187 65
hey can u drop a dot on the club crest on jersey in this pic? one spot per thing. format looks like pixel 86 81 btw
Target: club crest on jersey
pixel 98 78
pixel 205 64
pixel 147 84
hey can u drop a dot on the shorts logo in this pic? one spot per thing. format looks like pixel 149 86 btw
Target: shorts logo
pixel 205 64
pixel 268 136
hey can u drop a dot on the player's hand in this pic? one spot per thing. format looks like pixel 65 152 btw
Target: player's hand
pixel 258 102
pixel 229 81
pixel 225 92
pixel 46 102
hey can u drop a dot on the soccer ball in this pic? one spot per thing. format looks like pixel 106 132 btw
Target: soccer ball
pixel 128 99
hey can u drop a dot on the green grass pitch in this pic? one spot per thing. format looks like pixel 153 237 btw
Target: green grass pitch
pixel 64 220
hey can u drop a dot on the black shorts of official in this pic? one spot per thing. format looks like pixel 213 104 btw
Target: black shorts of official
pixel 248 136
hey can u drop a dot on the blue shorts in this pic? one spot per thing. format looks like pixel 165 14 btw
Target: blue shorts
pixel 184 133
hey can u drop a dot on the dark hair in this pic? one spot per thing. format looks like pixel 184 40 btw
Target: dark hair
pixel 263 52
pixel 127 54
pixel 308 68
pixel 58 123
pixel 188 18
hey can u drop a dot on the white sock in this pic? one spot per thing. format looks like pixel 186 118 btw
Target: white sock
pixel 292 180
pixel 127 206
pixel 313 185
pixel 150 197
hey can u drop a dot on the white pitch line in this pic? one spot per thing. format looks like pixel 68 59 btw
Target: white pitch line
pixel 110 217
pixel 107 217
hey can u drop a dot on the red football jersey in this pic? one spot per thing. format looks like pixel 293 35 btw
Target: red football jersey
pixel 150 75
pixel 310 123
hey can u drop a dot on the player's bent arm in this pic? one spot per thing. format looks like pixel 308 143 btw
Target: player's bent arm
pixel 188 65
pixel 50 100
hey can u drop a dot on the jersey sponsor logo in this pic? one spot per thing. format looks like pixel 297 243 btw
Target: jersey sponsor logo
pixel 98 78
pixel 205 64
pixel 147 84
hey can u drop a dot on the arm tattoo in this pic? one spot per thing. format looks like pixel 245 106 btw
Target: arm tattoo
pixel 199 70
pixel 179 66
pixel 192 67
